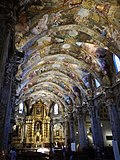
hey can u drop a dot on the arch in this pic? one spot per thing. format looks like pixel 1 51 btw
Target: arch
pixel 95 23
pixel 49 85
pixel 45 94
pixel 57 73
pixel 59 68
pixel 105 123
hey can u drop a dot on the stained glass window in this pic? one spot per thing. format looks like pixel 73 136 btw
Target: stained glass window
pixel 97 83
pixel 21 108
pixel 56 108
pixel 116 60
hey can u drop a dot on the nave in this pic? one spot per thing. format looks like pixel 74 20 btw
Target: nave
pixel 60 78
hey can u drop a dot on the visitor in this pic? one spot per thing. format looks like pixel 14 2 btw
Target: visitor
pixel 63 151
pixel 13 154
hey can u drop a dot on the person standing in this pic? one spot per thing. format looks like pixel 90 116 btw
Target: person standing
pixel 63 152
pixel 13 154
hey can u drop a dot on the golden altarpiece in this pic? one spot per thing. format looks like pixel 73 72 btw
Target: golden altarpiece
pixel 38 129
pixel 37 126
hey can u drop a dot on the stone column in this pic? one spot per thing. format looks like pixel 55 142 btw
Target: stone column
pixel 113 115
pixel 6 90
pixel 4 46
pixel 51 132
pixel 71 126
pixel 48 135
pixel 7 24
pixel 22 132
pixel 95 126
pixel 81 128
pixel 6 106
pixel 6 51
pixel 33 130
pixel 25 130
pixel 66 132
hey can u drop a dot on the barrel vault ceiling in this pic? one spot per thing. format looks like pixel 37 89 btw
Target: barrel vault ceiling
pixel 68 45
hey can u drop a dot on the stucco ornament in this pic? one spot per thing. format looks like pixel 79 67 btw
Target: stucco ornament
pixel 44 41
pixel 82 15
pixel 41 25
pixel 114 33
pixel 56 19
pixel 70 31
pixel 74 3
pixel 66 46
pixel 73 33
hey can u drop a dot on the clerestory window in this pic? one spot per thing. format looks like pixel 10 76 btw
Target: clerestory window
pixel 97 83
pixel 116 60
pixel 21 108
pixel 56 109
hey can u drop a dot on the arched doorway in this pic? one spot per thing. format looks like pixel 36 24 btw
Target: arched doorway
pixel 58 136
pixel 105 124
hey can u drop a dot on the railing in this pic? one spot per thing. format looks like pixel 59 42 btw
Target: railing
pixel 21 150
pixel 88 154
pixel 31 154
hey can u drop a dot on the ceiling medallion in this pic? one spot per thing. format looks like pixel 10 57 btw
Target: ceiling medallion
pixel 66 46
pixel 73 33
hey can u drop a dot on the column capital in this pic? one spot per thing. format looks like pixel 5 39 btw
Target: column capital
pixel 65 116
pixel 70 109
pixel 109 96
pixel 90 102
pixel 84 106
pixel 70 116
pixel 79 108
pixel 109 93
pixel 91 108
pixel 79 111
pixel 90 105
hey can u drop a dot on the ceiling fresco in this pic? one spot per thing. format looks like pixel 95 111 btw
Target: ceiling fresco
pixel 67 45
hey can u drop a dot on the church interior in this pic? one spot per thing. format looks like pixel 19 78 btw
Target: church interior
pixel 60 75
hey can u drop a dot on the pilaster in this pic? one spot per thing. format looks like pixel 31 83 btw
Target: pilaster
pixel 66 131
pixel 95 126
pixel 7 68
pixel 6 105
pixel 113 115
pixel 51 132
pixel 81 128
pixel 71 126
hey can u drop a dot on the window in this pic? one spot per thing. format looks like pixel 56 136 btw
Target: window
pixel 21 108
pixel 86 81
pixel 56 109
pixel 116 60
pixel 97 83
